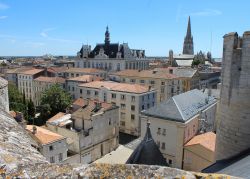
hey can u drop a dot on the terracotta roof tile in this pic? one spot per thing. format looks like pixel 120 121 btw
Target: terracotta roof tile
pixel 31 72
pixel 79 102
pixel 207 140
pixel 44 136
pixel 146 74
pixel 85 78
pixel 114 86
pixel 50 79
pixel 57 116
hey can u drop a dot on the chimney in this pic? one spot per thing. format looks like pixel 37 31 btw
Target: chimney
pixel 34 130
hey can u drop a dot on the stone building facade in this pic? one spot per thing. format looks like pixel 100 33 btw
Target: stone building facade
pixel 4 97
pixel 233 134
pixel 111 56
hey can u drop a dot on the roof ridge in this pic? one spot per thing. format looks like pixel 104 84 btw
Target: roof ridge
pixel 178 107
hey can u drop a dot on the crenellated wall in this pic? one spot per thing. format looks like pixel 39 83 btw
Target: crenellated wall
pixel 233 134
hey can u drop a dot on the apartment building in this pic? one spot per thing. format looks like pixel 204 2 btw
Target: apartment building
pixel 131 98
pixel 93 129
pixel 75 72
pixel 166 85
pixel 51 145
pixel 72 83
pixel 43 83
pixel 177 120
pixel 26 82
pixel 12 74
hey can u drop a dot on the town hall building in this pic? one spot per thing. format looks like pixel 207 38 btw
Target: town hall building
pixel 111 56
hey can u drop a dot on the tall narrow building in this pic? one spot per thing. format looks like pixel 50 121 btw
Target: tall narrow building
pixel 188 46
pixel 233 130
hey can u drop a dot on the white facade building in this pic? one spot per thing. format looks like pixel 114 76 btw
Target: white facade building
pixel 131 98
pixel 51 145
pixel 177 120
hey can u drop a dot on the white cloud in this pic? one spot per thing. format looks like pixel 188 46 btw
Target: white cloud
pixel 3 6
pixel 207 12
pixel 44 32
pixel 3 17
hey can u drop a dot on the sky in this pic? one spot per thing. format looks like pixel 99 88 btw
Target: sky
pixel 60 27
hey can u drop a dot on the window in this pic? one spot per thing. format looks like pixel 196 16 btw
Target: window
pixel 132 107
pixel 52 160
pixel 153 104
pixel 73 89
pixel 51 147
pixel 152 82
pixel 123 97
pixel 132 98
pixel 170 162
pixel 88 92
pixel 113 95
pixel 122 115
pixel 96 93
pixel 60 157
pixel 123 106
pixel 122 123
pixel 162 83
pixel 109 121
pixel 148 96
pixel 172 90
pixel 123 80
pixel 148 106
pixel 142 81
pixel 164 132
pixel 159 131
pixel 132 117
pixel 81 91
pixel 132 80
pixel 153 95
pixel 162 89
pixel 142 107
pixel 158 143
pixel 142 98
pixel 163 146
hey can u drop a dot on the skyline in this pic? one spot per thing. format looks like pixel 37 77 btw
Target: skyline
pixel 60 27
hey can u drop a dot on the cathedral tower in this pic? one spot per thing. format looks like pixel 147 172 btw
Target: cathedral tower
pixel 188 46
pixel 233 130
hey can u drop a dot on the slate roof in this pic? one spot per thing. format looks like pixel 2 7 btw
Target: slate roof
pixel 147 152
pixel 109 49
pixel 181 107
pixel 238 165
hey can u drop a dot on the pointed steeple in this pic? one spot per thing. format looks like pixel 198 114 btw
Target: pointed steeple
pixel 107 36
pixel 188 47
pixel 147 152
pixel 189 34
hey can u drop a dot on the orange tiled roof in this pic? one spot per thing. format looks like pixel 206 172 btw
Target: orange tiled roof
pixel 44 136
pixel 50 79
pixel 57 69
pixel 79 102
pixel 31 71
pixel 83 70
pixel 207 140
pixel 18 70
pixel 57 116
pixel 146 74
pixel 114 86
pixel 13 114
pixel 85 78
pixel 88 110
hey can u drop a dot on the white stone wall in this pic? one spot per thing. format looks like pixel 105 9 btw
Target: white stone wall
pixel 59 147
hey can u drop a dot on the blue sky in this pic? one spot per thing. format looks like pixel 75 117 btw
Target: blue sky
pixel 60 27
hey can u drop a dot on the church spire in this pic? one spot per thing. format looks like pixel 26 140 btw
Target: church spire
pixel 188 47
pixel 107 36
pixel 189 28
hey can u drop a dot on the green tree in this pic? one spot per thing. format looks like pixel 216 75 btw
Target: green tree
pixel 15 98
pixel 57 100
pixel 30 111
